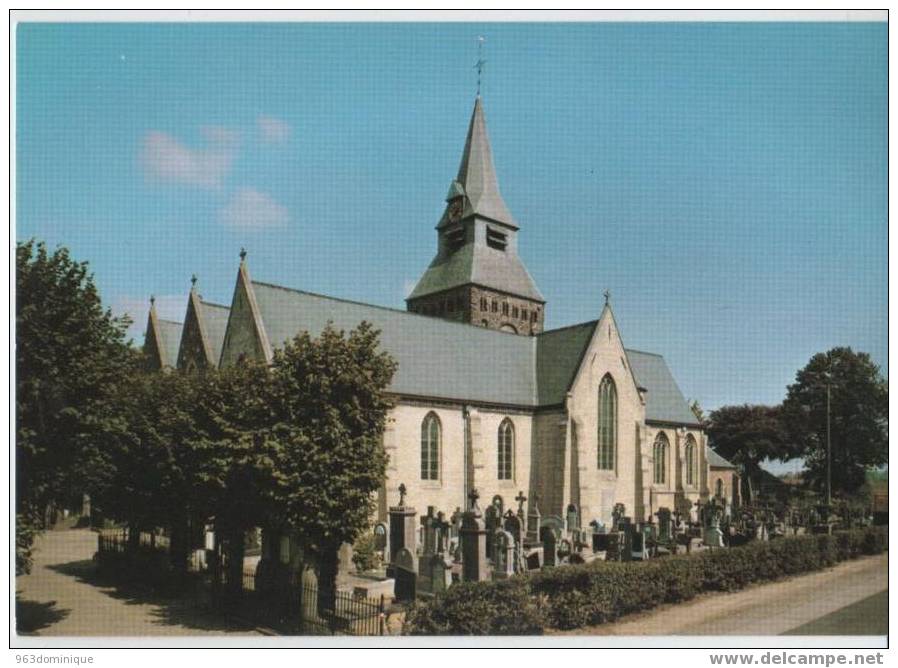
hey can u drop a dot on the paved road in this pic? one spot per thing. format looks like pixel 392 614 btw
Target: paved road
pixel 62 597
pixel 817 604
pixel 866 617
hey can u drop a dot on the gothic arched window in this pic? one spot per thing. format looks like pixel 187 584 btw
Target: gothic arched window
pixel 506 450
pixel 660 450
pixel 690 460
pixel 607 423
pixel 430 447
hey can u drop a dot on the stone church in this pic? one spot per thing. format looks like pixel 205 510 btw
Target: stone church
pixel 485 396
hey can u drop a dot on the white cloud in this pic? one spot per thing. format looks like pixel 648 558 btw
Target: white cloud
pixel 273 130
pixel 250 208
pixel 168 307
pixel 164 158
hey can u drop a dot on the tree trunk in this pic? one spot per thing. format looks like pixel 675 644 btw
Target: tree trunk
pixel 236 553
pixel 328 566
pixel 179 549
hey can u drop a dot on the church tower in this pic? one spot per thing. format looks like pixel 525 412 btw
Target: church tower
pixel 477 276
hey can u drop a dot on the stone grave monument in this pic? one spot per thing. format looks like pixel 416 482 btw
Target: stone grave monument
pixel 504 545
pixel 473 542
pixel 402 530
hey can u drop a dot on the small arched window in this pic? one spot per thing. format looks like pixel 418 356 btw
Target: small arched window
pixel 719 492
pixel 690 460
pixel 607 423
pixel 506 450
pixel 662 445
pixel 430 447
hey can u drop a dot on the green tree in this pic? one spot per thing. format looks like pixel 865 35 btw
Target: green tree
pixel 70 356
pixel 858 415
pixel 331 403
pixel 747 435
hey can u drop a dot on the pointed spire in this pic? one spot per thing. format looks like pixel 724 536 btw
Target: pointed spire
pixel 477 175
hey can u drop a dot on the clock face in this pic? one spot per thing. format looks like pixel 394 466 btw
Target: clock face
pixel 455 209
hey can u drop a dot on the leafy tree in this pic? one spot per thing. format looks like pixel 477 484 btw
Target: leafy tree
pixel 329 394
pixel 747 435
pixel 236 452
pixel 858 417
pixel 70 355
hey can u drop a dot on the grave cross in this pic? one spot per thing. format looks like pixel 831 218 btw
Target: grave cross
pixel 402 491
pixel 520 498
pixel 442 528
pixel 474 495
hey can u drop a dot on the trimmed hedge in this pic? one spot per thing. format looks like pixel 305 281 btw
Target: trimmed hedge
pixel 571 597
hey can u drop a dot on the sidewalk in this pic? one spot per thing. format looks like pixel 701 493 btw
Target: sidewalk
pixel 62 597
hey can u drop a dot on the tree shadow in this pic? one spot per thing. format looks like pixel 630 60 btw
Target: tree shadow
pixel 32 616
pixel 187 607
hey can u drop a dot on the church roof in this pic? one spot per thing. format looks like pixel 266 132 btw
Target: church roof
pixel 170 333
pixel 442 359
pixel 717 461
pixel 477 174
pixel 663 401
pixel 215 321
pixel 437 358
pixel 478 264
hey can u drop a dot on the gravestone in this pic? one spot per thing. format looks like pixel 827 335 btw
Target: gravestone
pixel 381 531
pixel 428 538
pixel 454 535
pixel 505 559
pixel 626 530
pixel 402 529
pixel 713 535
pixel 572 519
pixel 405 569
pixel 344 556
pixel 473 543
pixel 534 522
pixel 639 548
pixel 550 541
pixel 492 522
pixel 513 526
pixel 521 514
pixel 665 525
pixel 602 541
pixel 617 514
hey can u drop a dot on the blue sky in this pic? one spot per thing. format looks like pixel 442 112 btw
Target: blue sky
pixel 727 182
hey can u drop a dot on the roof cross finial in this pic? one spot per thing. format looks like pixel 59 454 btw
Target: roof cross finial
pixel 480 61
pixel 193 280
pixel 607 294
pixel 242 254
pixel 152 300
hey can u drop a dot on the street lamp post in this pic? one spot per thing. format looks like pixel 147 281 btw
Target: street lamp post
pixel 829 452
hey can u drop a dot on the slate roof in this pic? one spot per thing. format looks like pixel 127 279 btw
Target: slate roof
pixel 437 358
pixel 719 462
pixel 477 175
pixel 215 322
pixel 663 401
pixel 481 265
pixel 558 356
pixel 170 333
pixel 449 360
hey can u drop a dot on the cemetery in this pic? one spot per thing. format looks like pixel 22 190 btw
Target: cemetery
pixel 428 572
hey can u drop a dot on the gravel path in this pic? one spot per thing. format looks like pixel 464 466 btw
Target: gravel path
pixel 770 609
pixel 62 597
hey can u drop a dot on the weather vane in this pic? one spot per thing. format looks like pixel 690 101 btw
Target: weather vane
pixel 480 61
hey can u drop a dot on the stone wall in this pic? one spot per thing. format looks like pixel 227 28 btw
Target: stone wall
pixel 466 304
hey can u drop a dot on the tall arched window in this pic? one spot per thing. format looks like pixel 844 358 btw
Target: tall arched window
pixel 690 460
pixel 719 491
pixel 607 423
pixel 506 450
pixel 430 447
pixel 662 445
